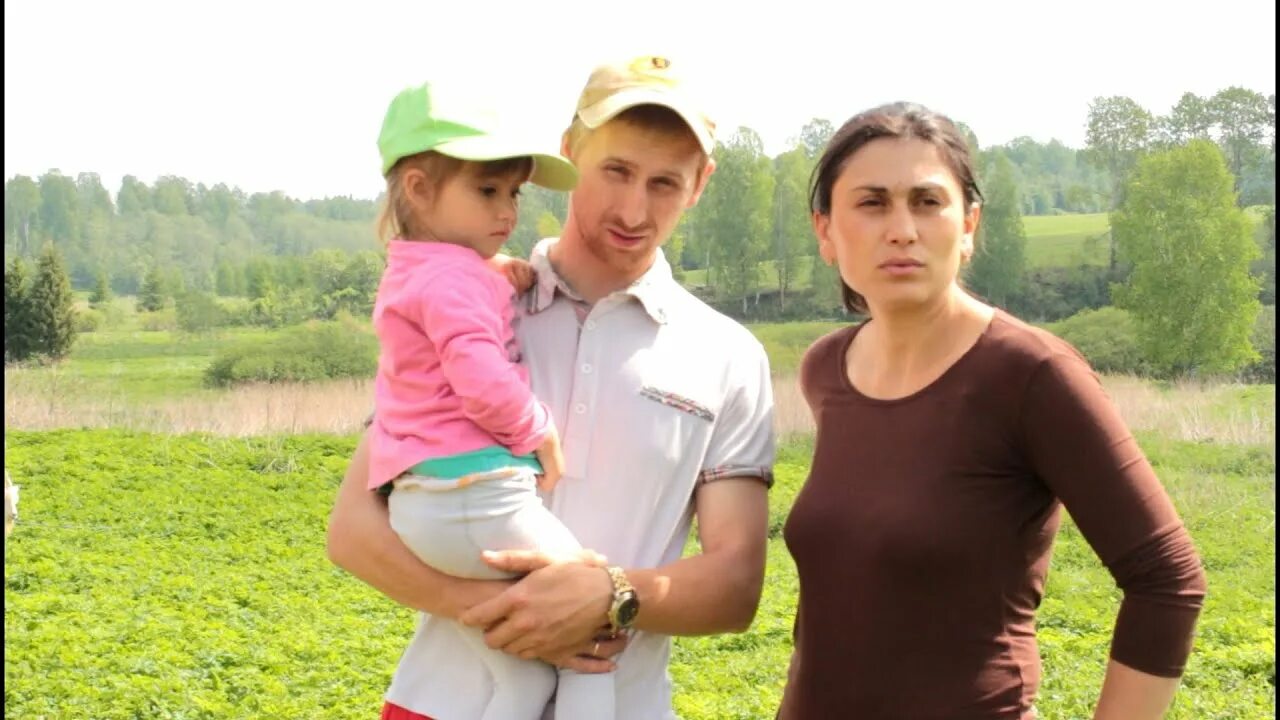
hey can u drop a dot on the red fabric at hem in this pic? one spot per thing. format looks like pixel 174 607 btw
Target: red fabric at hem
pixel 395 712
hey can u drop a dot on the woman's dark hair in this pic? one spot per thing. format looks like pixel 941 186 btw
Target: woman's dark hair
pixel 900 120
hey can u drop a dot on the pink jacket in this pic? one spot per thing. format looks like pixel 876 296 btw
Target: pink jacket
pixel 449 379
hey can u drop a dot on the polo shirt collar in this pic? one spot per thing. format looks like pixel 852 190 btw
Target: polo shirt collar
pixel 654 290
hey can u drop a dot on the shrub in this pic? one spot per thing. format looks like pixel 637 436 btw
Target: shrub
pixel 1106 337
pixel 236 311
pixel 198 312
pixel 1055 293
pixel 1264 341
pixel 282 309
pixel 88 321
pixel 166 319
pixel 317 350
pixel 113 315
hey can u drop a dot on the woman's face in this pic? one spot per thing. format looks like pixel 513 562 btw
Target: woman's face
pixel 899 227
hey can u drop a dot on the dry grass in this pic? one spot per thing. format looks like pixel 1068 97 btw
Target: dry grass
pixel 791 414
pixel 338 407
pixel 1221 413
pixel 1224 413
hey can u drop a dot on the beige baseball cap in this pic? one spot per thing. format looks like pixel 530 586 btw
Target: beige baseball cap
pixel 646 80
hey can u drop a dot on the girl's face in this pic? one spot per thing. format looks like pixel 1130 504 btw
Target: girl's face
pixel 473 208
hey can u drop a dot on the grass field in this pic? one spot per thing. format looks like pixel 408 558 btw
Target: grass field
pixel 129 365
pixel 1066 240
pixel 768 275
pixel 163 576
pixel 152 381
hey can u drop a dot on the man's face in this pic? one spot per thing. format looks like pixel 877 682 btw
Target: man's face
pixel 634 184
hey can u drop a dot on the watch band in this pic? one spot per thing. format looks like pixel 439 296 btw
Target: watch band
pixel 623 607
pixel 620 582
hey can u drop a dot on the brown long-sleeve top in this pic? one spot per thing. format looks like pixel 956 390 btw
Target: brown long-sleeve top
pixel 923 533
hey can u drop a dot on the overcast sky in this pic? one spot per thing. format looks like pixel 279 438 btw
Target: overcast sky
pixel 281 95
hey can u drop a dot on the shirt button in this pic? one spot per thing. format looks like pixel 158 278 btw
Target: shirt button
pixel 586 369
pixel 591 325
pixel 580 408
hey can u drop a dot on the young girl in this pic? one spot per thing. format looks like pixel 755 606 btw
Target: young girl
pixel 456 428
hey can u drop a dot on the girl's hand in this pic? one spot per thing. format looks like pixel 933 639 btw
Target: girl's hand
pixel 551 457
pixel 518 272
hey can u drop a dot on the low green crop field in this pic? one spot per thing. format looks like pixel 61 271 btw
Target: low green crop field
pixel 184 576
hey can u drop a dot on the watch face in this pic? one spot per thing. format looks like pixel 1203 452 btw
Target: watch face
pixel 627 610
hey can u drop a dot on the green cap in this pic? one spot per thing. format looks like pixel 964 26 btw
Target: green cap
pixel 426 118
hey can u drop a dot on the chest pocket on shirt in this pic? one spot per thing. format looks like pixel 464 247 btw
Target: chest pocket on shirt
pixel 673 425
pixel 679 402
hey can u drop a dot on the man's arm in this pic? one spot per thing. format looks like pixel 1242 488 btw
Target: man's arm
pixel 560 607
pixel 719 589
pixel 361 541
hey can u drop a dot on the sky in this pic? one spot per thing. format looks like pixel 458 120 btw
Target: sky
pixel 281 95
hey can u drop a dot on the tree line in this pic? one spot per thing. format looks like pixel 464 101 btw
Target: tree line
pixel 204 236
pixel 184 246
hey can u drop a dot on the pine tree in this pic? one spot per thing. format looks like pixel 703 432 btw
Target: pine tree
pixel 50 306
pixel 101 291
pixel 17 319
pixel 151 295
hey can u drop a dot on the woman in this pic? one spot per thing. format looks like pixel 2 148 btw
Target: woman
pixel 949 435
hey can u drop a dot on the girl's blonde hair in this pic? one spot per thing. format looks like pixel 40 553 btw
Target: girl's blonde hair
pixel 398 218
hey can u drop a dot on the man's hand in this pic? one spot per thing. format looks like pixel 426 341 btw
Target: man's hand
pixel 555 612
pixel 523 562
pixel 517 272
pixel 593 657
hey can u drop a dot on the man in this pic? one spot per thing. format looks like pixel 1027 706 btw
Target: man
pixel 665 411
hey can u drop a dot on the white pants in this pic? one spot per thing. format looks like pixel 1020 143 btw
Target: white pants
pixel 447 527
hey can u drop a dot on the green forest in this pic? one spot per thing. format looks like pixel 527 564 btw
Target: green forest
pixel 198 257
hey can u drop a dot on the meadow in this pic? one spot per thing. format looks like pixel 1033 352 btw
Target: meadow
pixel 169 559
pixel 1052 241
pixel 152 381
pixel 1066 240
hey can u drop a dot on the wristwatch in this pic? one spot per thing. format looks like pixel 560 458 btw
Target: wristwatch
pixel 625 605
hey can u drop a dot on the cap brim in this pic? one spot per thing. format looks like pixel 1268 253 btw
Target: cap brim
pixel 602 112
pixel 549 170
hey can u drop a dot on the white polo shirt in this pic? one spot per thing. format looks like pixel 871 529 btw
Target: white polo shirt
pixel 653 393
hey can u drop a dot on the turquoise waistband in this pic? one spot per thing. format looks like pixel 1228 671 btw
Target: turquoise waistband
pixel 477 461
